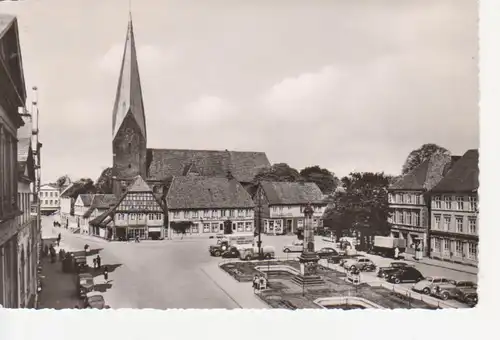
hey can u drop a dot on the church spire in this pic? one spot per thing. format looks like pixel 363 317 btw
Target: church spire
pixel 128 101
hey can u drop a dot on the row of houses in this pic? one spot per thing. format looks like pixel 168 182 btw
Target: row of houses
pixel 202 203
pixel 19 156
pixel 435 207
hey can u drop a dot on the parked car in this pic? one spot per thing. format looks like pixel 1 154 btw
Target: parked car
pixel 360 263
pixel 84 284
pixel 344 258
pixel 95 301
pixel 296 247
pixel 471 299
pixel 425 286
pixel 405 274
pixel 453 289
pixel 392 268
pixel 328 252
pixel 232 252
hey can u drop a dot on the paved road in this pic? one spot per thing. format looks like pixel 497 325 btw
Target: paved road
pixel 153 274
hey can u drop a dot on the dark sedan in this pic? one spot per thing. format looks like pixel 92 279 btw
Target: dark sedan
pixel 408 274
pixel 231 253
pixel 392 268
pixel 327 253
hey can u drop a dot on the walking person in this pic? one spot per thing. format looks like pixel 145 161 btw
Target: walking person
pixel 58 239
pixel 94 261
pixel 98 260
pixel 106 273
pixel 396 253
pixel 255 283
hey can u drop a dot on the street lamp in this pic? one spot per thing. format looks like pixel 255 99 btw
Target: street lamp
pixel 259 219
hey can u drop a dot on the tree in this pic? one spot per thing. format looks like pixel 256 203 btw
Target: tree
pixel 423 153
pixel 362 206
pixel 324 179
pixel 63 181
pixel 181 227
pixel 279 172
pixel 104 184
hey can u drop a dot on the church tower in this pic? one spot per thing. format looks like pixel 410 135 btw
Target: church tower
pixel 129 121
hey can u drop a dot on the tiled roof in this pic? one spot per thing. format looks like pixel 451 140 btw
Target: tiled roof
pixel 103 219
pixel 101 201
pixel 67 190
pixel 173 162
pixel 463 176
pixel 426 175
pixel 414 180
pixel 197 192
pixel 86 199
pixel 139 185
pixel 292 192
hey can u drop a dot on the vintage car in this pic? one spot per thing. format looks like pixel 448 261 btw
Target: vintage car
pixel 453 289
pixel 425 286
pixel 94 300
pixel 332 255
pixel 392 268
pixel 296 247
pixel 344 258
pixel 405 274
pixel 84 284
pixel 360 263
pixel 232 252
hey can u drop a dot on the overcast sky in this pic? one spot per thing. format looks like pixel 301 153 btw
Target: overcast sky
pixel 347 85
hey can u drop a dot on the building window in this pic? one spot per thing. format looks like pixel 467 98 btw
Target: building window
pixel 159 217
pixel 408 198
pixel 460 224
pixel 240 226
pixel 176 214
pixel 194 228
pixel 215 227
pixel 473 203
pixel 275 210
pixel 472 225
pixel 472 250
pixel 223 213
pixel 195 214
pixel 215 214
pixel 408 218
pixel 399 216
pixel 400 198
pixel 300 223
pixel 447 202
pixel 437 245
pixel 241 213
pixel 437 202
pixel 459 247
pixel 437 222
pixel 206 213
pixel 447 222
pixel 231 213
pixel 248 226
pixel 206 227
pixel 281 210
pixel 460 202
pixel 447 244
pixel 132 216
pixel 391 198
pixel 417 218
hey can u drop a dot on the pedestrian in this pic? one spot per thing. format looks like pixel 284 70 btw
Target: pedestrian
pixel 106 273
pixel 255 282
pixel 94 261
pixel 58 239
pixel 98 260
pixel 396 253
pixel 86 248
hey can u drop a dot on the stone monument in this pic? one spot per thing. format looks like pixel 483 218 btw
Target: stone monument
pixel 309 258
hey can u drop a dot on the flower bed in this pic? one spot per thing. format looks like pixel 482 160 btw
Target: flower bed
pixel 245 271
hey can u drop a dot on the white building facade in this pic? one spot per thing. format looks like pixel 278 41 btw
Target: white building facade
pixel 49 198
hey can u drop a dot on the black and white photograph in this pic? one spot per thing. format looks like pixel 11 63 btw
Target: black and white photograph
pixel 232 154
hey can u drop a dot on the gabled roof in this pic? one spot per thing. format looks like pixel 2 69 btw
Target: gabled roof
pixel 198 192
pixel 139 185
pixel 163 163
pixel 67 190
pixel 128 101
pixel 48 186
pixel 292 192
pixel 103 219
pixel 426 175
pixel 86 199
pixel 101 201
pixel 463 176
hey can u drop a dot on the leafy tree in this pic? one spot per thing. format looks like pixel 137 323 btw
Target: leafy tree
pixel 362 206
pixel 418 156
pixel 104 184
pixel 280 172
pixel 63 181
pixel 181 227
pixel 326 181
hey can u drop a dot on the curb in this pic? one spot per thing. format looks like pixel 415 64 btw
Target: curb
pixel 440 266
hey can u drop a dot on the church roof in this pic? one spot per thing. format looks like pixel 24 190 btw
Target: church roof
pixel 128 101
pixel 197 192
pixel 292 192
pixel 163 163
pixel 139 185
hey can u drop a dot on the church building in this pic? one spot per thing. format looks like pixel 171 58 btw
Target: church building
pixel 157 167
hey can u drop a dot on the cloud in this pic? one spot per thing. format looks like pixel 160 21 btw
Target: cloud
pixel 207 109
pixel 150 58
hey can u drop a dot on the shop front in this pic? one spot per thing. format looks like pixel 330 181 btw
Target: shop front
pixel 139 232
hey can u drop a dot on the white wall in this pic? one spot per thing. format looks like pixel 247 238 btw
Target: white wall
pixel 276 211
